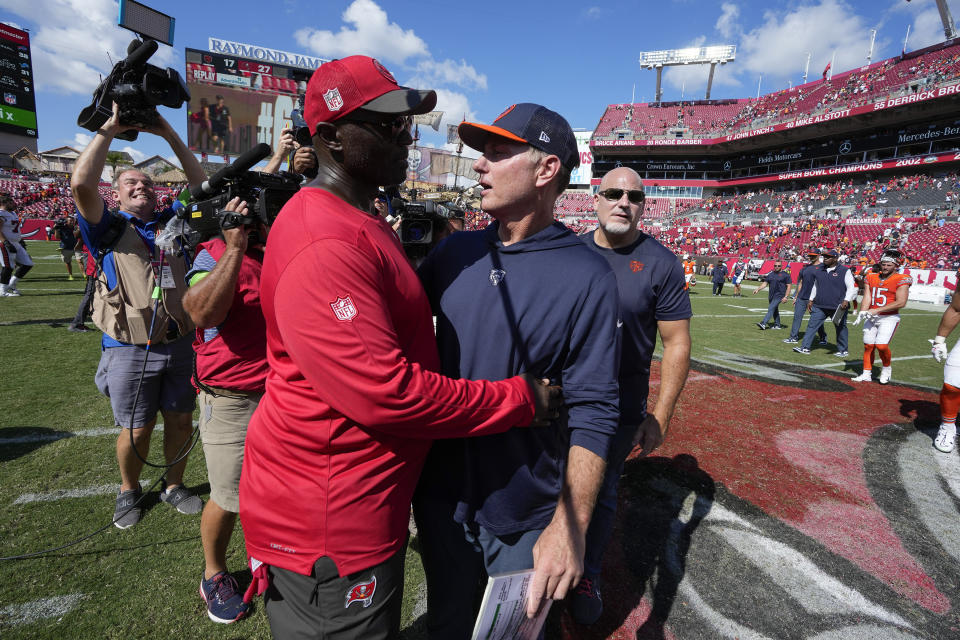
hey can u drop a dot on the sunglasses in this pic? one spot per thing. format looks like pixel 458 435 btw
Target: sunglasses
pixel 635 196
pixel 394 126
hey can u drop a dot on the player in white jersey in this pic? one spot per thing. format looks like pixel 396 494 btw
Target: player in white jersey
pixel 12 250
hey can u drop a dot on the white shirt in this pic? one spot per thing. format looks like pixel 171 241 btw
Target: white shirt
pixel 10 226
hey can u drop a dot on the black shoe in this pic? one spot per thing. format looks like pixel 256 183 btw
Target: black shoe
pixel 78 328
pixel 762 326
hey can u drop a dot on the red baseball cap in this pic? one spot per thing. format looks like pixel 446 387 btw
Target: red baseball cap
pixel 342 86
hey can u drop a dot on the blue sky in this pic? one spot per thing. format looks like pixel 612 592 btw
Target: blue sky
pixel 574 57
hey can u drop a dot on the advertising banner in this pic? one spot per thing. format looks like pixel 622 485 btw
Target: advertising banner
pixel 582 174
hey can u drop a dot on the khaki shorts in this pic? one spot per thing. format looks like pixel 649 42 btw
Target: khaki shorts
pixel 67 255
pixel 223 427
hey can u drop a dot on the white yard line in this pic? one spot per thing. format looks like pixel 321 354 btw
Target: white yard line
pixel 85 492
pixel 61 435
pixel 56 607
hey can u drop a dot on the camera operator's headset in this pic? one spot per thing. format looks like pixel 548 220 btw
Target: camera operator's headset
pixel 118 225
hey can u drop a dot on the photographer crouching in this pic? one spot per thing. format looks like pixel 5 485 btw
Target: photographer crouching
pixel 231 370
pixel 146 358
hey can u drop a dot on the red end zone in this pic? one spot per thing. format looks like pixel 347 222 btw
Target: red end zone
pixel 806 500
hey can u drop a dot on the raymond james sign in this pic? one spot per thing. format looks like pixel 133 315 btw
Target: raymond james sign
pixel 228 47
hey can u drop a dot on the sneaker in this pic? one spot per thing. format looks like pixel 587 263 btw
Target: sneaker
pixel 78 328
pixel 841 354
pixel 182 499
pixel 585 603
pixel 127 513
pixel 69 277
pixel 762 326
pixel 778 326
pixel 866 376
pixel 885 374
pixel 222 595
pixel 9 293
pixel 823 341
pixel 791 341
pixel 946 438
pixel 801 350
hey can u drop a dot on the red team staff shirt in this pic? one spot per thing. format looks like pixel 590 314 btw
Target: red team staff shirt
pixel 883 292
pixel 353 399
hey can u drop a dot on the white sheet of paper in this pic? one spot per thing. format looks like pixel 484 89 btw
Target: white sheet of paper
pixel 503 613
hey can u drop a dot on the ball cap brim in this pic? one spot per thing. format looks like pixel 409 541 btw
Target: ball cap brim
pixel 403 102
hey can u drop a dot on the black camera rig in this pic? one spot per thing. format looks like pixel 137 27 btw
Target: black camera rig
pixel 137 88
pixel 264 193
pixel 423 224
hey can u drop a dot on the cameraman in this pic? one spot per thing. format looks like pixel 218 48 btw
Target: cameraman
pixel 64 232
pixel 231 370
pixel 135 325
pixel 303 160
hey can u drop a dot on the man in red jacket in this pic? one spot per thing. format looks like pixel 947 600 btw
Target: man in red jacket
pixel 353 398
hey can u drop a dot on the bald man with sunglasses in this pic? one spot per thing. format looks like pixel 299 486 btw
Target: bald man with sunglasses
pixel 650 285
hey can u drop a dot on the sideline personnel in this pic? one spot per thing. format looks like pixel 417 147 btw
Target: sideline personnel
pixel 652 300
pixel 124 308
pixel 353 399
pixel 231 370
pixel 524 294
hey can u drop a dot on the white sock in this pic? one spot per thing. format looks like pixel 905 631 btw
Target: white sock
pixel 886 371
pixel 13 282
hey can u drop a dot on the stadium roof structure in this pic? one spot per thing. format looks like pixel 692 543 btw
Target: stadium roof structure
pixel 712 55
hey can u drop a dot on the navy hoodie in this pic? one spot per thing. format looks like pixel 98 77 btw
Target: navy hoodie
pixel 546 305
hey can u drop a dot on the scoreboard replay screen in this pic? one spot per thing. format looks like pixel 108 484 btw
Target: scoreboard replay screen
pixel 18 111
pixel 237 103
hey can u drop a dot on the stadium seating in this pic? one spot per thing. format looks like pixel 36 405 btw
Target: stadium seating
pixel 893 77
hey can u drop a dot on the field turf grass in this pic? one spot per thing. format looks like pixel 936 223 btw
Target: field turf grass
pixel 56 435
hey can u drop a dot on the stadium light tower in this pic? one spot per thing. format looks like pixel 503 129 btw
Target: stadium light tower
pixel 947 19
pixel 713 55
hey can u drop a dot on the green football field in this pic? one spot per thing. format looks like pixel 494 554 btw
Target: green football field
pixel 58 475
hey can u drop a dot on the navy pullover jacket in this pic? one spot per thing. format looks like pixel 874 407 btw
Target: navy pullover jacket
pixel 546 305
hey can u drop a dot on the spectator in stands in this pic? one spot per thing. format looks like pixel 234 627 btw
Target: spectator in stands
pixel 779 285
pixel 719 277
pixel 833 290
pixel 13 250
pixel 133 325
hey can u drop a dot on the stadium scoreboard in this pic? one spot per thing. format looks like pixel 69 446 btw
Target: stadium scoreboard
pixel 259 96
pixel 18 111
